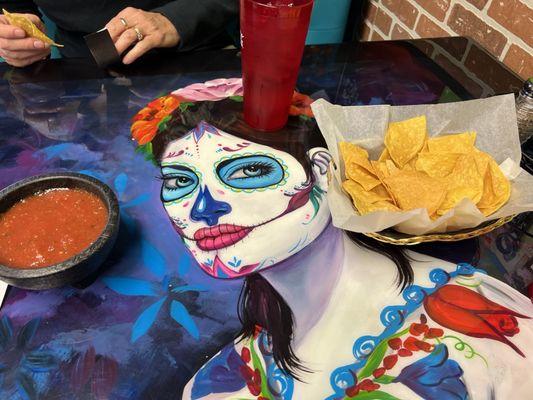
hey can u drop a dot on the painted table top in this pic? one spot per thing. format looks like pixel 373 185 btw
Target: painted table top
pixel 152 318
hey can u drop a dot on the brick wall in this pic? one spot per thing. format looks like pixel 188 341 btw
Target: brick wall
pixel 503 27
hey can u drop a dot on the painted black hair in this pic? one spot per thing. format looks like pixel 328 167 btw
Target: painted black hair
pixel 259 303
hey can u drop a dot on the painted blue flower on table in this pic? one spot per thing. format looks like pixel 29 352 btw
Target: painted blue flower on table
pixel 164 289
pixel 33 365
pixel 435 377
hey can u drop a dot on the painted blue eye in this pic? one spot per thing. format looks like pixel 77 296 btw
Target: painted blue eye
pixel 178 182
pixel 250 172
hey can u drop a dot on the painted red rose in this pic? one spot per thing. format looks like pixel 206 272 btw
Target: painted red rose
pixel 468 312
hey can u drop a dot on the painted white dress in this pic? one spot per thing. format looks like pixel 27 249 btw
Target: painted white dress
pixel 456 333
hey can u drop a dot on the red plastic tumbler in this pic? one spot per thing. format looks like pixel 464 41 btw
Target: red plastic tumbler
pixel 272 37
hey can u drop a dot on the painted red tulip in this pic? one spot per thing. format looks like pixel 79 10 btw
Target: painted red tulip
pixel 468 312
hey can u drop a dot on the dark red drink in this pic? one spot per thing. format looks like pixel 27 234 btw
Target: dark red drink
pixel 273 37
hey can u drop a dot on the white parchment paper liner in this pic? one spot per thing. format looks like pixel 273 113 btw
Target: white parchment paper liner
pixel 494 120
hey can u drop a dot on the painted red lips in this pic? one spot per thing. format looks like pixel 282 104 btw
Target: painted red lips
pixel 220 236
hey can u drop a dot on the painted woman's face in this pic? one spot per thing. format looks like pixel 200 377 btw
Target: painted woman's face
pixel 240 206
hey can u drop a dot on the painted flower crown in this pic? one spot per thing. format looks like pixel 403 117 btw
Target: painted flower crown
pixel 153 118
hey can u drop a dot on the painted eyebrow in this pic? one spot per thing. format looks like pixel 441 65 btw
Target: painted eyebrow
pixel 176 167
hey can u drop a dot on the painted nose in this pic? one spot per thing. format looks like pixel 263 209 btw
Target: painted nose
pixel 207 209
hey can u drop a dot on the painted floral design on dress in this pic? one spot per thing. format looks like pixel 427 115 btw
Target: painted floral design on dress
pixel 420 338
pixel 434 376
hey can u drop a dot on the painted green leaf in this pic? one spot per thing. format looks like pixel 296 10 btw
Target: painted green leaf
pixel 385 379
pixel 377 356
pixel 147 151
pixel 184 106
pixel 374 395
pixel 144 148
pixel 374 360
pixel 237 98
pixel 162 125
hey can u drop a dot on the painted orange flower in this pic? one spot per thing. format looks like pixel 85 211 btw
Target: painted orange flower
pixel 146 122
pixel 301 105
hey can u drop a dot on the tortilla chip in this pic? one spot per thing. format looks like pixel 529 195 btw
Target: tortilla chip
pixel 380 168
pixel 404 139
pixel 361 175
pixel 496 189
pixel 29 27
pixel 482 160
pixel 436 165
pixel 463 182
pixel 381 190
pixel 391 167
pixel 381 205
pixel 413 189
pixel 384 155
pixel 363 199
pixel 352 153
pixel 457 143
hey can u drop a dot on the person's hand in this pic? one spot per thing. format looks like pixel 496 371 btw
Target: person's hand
pixel 17 48
pixel 153 30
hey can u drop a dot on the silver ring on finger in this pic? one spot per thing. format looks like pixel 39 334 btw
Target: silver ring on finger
pixel 124 22
pixel 139 34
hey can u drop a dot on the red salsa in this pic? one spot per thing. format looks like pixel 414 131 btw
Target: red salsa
pixel 50 227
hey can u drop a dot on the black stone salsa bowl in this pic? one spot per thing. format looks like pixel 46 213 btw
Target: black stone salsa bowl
pixel 76 268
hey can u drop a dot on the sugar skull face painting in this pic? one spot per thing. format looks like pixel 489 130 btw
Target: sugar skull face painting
pixel 240 206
